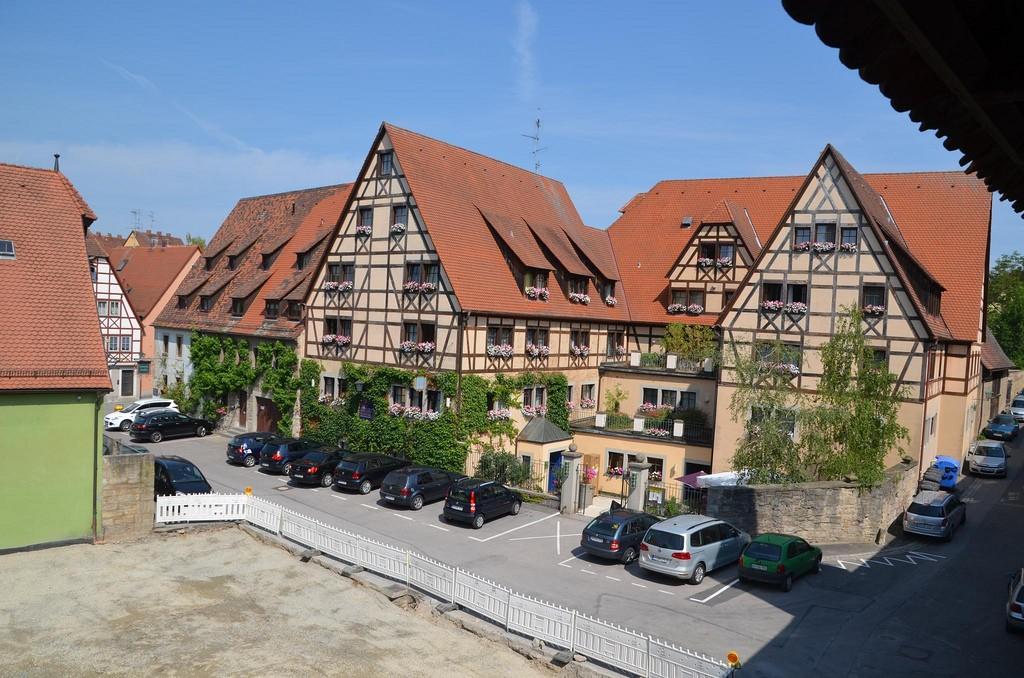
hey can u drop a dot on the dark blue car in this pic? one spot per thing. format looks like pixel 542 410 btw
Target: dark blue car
pixel 1003 427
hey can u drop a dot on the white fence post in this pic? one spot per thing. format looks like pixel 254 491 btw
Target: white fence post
pixel 572 633
pixel 455 582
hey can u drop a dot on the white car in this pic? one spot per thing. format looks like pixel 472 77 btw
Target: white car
pixel 987 458
pixel 122 419
pixel 1017 409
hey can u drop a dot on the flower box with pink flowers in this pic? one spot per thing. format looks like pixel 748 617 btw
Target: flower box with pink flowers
pixel 873 310
pixel 535 410
pixel 705 262
pixel 772 305
pixel 425 347
pixel 397 229
pixel 723 263
pixel 500 350
pixel 500 414
pixel 539 293
pixel 538 350
pixel 407 347
pixel 364 230
pixel 676 309
pixel 588 404
pixel 579 298
pixel 579 351
pixel 610 300
pixel 694 309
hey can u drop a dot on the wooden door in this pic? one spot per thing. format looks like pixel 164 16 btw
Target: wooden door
pixel 267 414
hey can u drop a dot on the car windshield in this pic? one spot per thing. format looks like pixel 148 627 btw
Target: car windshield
pixel 131 408
pixel 925 510
pixel 272 447
pixel 990 451
pixel 350 465
pixel 459 494
pixel 605 526
pixel 763 551
pixel 315 457
pixel 184 473
pixel 665 540
pixel 1005 419
pixel 1018 404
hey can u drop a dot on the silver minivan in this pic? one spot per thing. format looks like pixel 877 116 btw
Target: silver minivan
pixel 934 513
pixel 690 546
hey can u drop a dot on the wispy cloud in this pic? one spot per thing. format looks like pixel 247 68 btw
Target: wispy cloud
pixel 522 43
pixel 187 187
pixel 212 129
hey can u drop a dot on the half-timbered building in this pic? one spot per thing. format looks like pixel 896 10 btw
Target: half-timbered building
pixel 909 251
pixel 119 325
pixel 249 284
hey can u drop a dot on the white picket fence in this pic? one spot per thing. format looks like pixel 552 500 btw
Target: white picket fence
pixel 601 641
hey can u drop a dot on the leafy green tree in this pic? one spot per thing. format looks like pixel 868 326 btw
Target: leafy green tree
pixel 692 343
pixel 765 400
pixel 196 240
pixel 1006 305
pixel 501 466
pixel 852 421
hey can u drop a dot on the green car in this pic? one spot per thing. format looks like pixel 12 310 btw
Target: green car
pixel 778 559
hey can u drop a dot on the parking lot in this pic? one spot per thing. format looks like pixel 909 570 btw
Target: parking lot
pixel 537 552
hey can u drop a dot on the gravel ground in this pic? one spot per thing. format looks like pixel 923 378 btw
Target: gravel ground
pixel 217 603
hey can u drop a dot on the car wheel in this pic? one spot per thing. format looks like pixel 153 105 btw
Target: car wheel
pixel 517 507
pixel 787 583
pixel 698 574
pixel 287 469
pixel 628 556
pixel 125 425
pixel 817 566
pixel 478 521
pixel 417 502
pixel 365 487
pixel 200 431
pixel 156 436
pixel 326 480
pixel 249 461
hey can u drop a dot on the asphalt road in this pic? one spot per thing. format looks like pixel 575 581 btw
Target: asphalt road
pixel 918 607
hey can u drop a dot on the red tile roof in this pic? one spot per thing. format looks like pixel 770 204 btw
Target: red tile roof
pixel 106 241
pixel 156 239
pixel 285 223
pixel 992 355
pixel 50 338
pixel 454 186
pixel 942 216
pixel 145 273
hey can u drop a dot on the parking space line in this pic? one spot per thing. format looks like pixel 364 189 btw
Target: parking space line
pixel 338 496
pixel 544 536
pixel 667 593
pixel 558 537
pixel 399 515
pixel 643 586
pixel 608 576
pixel 375 508
pixel 588 572
pixel 716 593
pixel 502 534
pixel 563 563
pixel 316 489
pixel 437 527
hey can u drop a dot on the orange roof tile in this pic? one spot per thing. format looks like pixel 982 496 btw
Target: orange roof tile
pixel 943 217
pixel 156 239
pixel 145 273
pixel 452 185
pixel 50 339
pixel 992 355
pixel 516 235
pixel 286 223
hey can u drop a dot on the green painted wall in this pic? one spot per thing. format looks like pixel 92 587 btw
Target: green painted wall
pixel 51 446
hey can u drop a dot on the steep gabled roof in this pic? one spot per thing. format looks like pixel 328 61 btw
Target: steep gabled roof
pixel 993 357
pixel 728 212
pixel 453 186
pixel 943 217
pixel 286 223
pixel 516 235
pixel 50 338
pixel 145 273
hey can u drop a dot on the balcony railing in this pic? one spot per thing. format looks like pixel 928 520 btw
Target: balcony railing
pixel 666 362
pixel 650 428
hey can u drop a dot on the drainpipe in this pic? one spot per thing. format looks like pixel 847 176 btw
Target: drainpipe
pixel 95 466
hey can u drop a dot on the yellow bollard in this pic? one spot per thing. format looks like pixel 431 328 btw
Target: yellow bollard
pixel 248 491
pixel 734 660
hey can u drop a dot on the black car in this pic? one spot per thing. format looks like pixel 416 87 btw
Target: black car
pixel 617 534
pixel 177 475
pixel 364 471
pixel 473 501
pixel 155 426
pixel 317 467
pixel 278 454
pixel 245 448
pixel 416 485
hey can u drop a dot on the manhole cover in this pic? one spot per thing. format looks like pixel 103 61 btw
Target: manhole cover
pixel 282 488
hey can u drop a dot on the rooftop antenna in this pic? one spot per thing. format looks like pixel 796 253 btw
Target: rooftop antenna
pixel 151 220
pixel 536 143
pixel 136 214
pixel 56 162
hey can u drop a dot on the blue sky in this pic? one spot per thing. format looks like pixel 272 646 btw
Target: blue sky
pixel 181 108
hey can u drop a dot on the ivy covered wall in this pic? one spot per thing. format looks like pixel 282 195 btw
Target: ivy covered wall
pixel 361 418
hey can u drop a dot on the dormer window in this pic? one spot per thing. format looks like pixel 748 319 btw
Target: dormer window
pixel 707 250
pixel 534 278
pixel 387 163
pixel 268 261
pixel 302 260
pixel 7 249
pixel 577 285
pixel 238 307
pixel 295 310
pixel 608 289
pixel 366 217
pixel 205 302
pixel 270 309
pixel 182 301
pixel 232 262
pixel 687 222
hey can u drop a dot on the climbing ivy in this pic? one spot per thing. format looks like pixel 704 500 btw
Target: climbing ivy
pixel 276 365
pixel 220 365
pixel 444 442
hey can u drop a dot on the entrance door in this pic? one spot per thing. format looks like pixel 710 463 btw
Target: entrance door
pixel 127 383
pixel 243 406
pixel 554 466
pixel 267 414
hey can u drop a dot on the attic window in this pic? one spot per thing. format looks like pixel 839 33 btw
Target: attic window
pixel 232 262
pixel 6 249
pixel 302 260
pixel 182 301
pixel 687 222
pixel 387 163
pixel 268 260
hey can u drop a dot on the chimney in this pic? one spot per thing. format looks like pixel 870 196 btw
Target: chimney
pixel 56 162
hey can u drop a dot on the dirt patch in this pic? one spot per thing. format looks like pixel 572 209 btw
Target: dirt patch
pixel 216 603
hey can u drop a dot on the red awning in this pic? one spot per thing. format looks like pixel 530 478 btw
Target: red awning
pixel 690 479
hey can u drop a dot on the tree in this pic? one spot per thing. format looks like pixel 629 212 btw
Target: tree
pixel 196 240
pixel 692 343
pixel 852 421
pixel 1006 305
pixel 501 466
pixel 765 400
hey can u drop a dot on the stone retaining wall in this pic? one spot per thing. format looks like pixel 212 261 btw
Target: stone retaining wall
pixel 128 508
pixel 824 513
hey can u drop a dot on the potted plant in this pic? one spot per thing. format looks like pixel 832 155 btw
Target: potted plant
pixel 500 414
pixel 579 298
pixel 411 287
pixel 610 300
pixel 346 286
pixel 427 288
pixel 579 351
pixel 795 308
pixel 723 263
pixel 397 229
pixel 342 340
pixel 331 286
pixel 500 350
pixel 396 409
pixel 848 247
pixel 407 347
pixel 364 230
pixel 425 347
pixel 329 339
pixel 694 309
pixel 802 246
pixel 705 262
pixel 676 309
pixel 772 305
pixel 823 247
pixel 873 310
pixel 540 293
pixel 588 404
pixel 538 350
